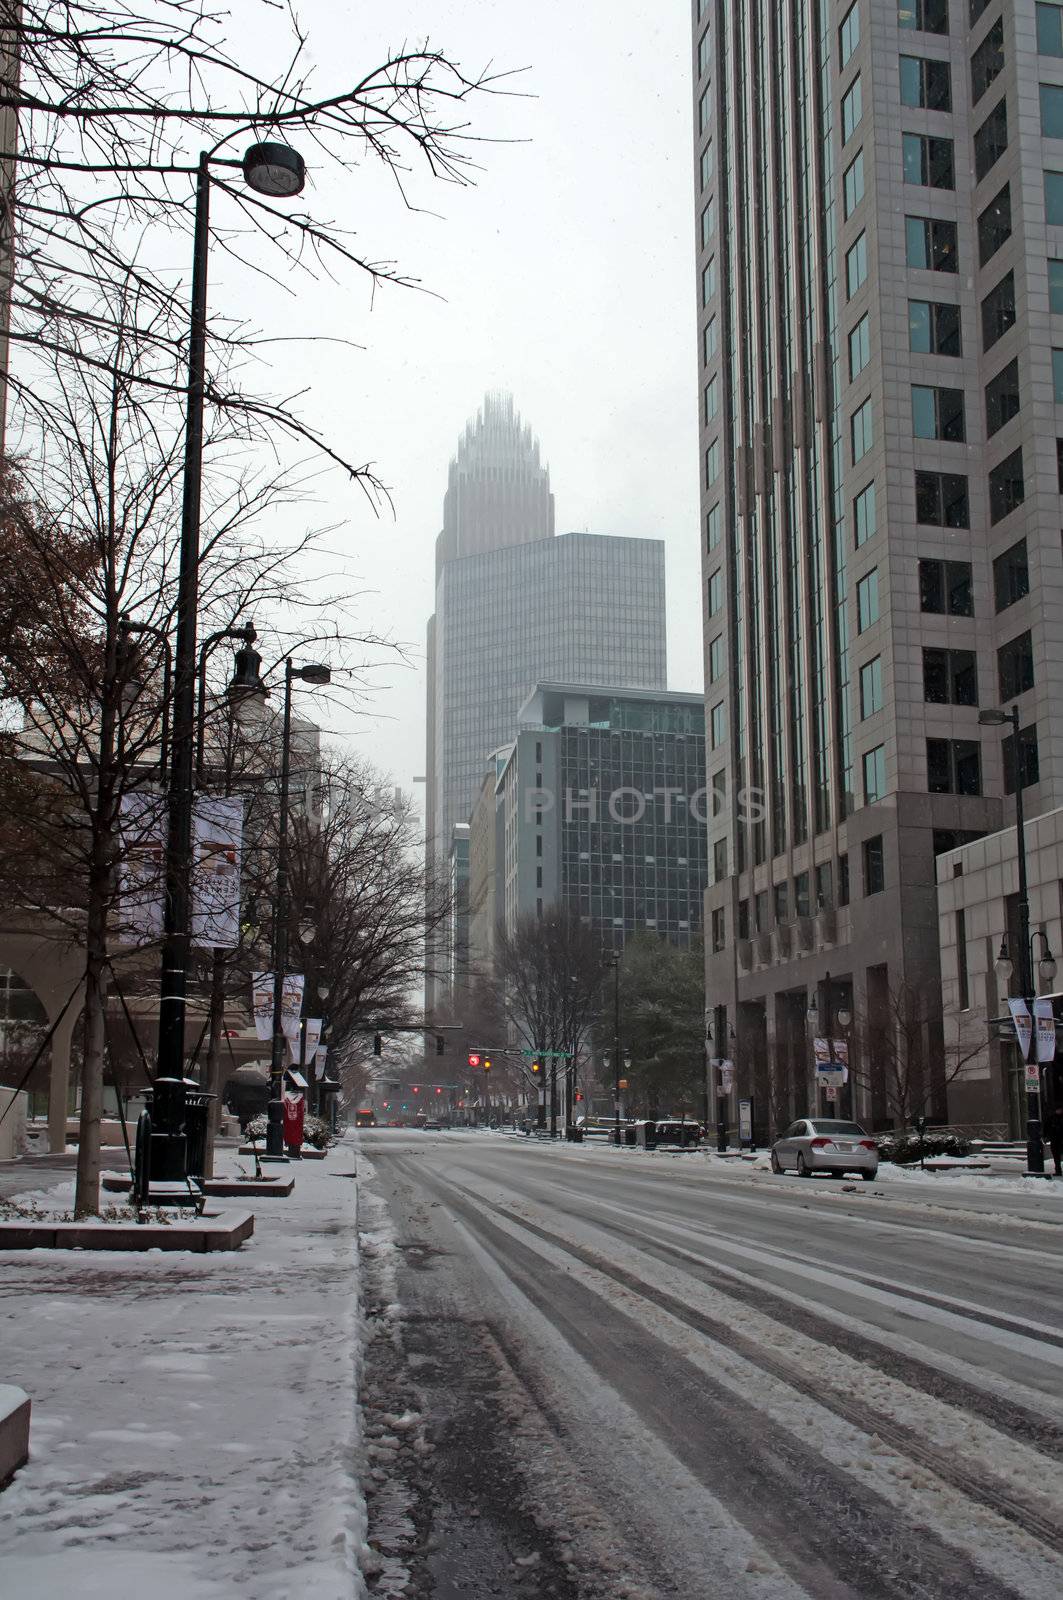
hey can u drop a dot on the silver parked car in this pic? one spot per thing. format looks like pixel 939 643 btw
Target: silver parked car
pixel 822 1144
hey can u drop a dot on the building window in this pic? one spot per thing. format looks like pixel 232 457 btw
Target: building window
pixel 711 340
pixel 824 885
pixel 1015 666
pixel 937 413
pixel 715 591
pixel 961 961
pixel 856 266
pixel 848 35
pixel 782 902
pixel 717 725
pixel 1006 487
pixel 934 329
pixel 941 500
pixel 861 431
pixel 950 677
pixel 928 16
pixel 987 63
pixel 1057 376
pixel 719 860
pixel 843 880
pixel 712 463
pixel 1049 30
pixel 852 109
pixel 1002 398
pixel 927 161
pixel 1051 111
pixel 859 347
pixel 705 110
pixel 853 184
pixel 1011 576
pixel 716 658
pixel 975 9
pixel 871 688
pixel 867 601
pixel 712 398
pixel 953 766
pixel 707 165
pixel 704 52
pixel 708 222
pixel 713 523
pixel 708 281
pixel 945 588
pixel 874 866
pixel 930 245
pixel 1029 760
pixel 1059 464
pixel 991 140
pixel 1054 198
pixel 994 225
pixel 743 919
pixel 719 929
pixel 926 83
pixel 864 520
pixel 874 774
pixel 998 307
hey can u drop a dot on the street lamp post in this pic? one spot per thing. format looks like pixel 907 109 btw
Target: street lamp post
pixel 277 171
pixel 1035 1150
pixel 317 674
pixel 825 1026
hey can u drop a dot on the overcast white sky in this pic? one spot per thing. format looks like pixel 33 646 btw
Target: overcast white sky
pixel 566 275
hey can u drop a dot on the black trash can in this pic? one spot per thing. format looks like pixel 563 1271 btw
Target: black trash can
pixel 197 1123
pixel 169 1147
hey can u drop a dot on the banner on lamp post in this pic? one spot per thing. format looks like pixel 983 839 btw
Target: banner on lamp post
pixel 292 1005
pixel 262 1003
pixel 321 1061
pixel 305 1041
pixel 142 866
pixel 1045 1027
pixel 218 824
pixel 1023 1024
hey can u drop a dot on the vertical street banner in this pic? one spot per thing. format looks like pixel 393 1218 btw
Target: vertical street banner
pixel 1023 1023
pixel 262 1003
pixel 305 1047
pixel 727 1074
pixel 142 867
pixel 292 1006
pixel 320 1060
pixel 1045 1028
pixel 217 839
pixel 745 1121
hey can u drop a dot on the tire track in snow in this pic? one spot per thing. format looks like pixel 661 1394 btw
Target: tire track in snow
pixel 819 1522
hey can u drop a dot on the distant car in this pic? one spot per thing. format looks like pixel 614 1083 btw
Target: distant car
pixel 432 1127
pixel 823 1144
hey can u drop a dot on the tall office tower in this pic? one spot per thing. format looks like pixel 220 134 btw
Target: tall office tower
pixel 515 605
pixel 879 213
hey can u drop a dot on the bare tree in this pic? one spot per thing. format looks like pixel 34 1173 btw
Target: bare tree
pixel 901 1056
pixel 88 535
pixel 104 110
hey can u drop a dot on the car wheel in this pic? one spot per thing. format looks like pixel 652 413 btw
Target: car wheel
pixel 775 1166
pixel 869 1177
pixel 803 1169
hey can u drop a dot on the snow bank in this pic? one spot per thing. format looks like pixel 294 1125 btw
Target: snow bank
pixel 195 1427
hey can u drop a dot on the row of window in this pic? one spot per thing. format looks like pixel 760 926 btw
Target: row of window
pixel 950 677
pixel 932 16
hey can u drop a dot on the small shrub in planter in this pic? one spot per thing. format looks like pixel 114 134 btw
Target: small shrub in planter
pixel 256 1129
pixel 905 1148
pixel 316 1132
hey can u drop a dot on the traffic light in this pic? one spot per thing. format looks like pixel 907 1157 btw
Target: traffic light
pixel 441 1045
pixel 378 1044
pixel 487 1063
pixel 537 1067
pixel 438 1089
pixel 474 1061
pixel 579 1096
pixel 417 1088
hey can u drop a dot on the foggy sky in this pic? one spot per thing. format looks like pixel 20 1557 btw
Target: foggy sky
pixel 566 276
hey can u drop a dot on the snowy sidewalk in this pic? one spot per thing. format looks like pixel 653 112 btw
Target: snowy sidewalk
pixel 195 1429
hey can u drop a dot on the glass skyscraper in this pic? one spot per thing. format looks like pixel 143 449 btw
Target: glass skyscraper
pixel 514 605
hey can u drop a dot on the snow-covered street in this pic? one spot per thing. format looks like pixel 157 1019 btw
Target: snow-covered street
pixel 600 1374
pixel 194 1429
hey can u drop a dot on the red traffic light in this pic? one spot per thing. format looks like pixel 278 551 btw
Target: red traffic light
pixel 438 1090
pixel 417 1088
pixel 474 1061
pixel 579 1097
